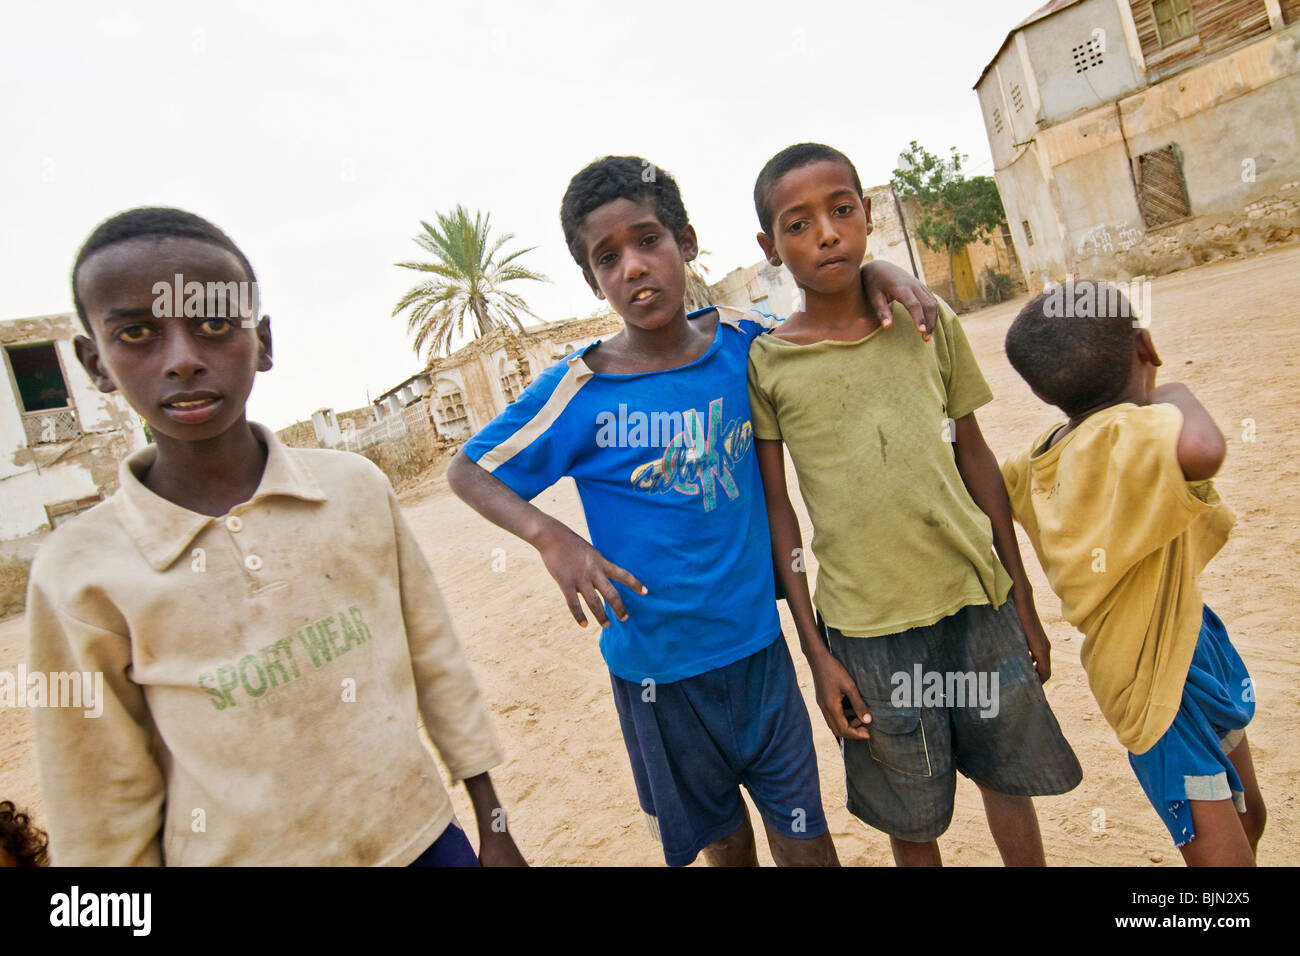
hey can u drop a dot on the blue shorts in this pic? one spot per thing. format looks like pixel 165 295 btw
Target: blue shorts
pixel 452 848
pixel 1190 762
pixel 693 742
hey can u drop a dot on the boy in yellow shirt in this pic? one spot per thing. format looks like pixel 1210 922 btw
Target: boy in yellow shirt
pixel 1120 508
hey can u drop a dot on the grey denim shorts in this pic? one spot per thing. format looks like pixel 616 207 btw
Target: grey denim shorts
pixel 959 694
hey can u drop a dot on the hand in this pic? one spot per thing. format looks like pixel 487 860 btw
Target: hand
pixel 579 569
pixel 1040 648
pixel 498 849
pixel 838 697
pixel 883 281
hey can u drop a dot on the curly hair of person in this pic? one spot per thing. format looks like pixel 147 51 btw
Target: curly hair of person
pixel 22 840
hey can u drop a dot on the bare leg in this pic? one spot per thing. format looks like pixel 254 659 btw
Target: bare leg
pixel 907 853
pixel 1220 838
pixel 788 851
pixel 735 849
pixel 1256 813
pixel 1014 826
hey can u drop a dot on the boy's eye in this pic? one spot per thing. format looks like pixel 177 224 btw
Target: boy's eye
pixel 605 259
pixel 648 239
pixel 132 334
pixel 215 325
pixel 844 209
pixel 796 226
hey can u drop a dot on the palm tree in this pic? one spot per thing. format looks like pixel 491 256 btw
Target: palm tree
pixel 697 286
pixel 468 273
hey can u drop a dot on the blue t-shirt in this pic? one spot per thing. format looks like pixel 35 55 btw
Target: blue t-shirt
pixel 666 470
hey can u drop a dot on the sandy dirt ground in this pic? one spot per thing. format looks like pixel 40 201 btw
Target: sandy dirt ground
pixel 1229 330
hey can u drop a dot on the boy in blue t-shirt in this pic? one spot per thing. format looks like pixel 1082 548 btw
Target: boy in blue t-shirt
pixel 653 426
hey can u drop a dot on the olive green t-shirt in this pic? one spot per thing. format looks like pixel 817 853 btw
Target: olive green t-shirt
pixel 898 539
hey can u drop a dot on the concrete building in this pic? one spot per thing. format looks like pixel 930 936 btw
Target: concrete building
pixel 62 438
pixel 1134 137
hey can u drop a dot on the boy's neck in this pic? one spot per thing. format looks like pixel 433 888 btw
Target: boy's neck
pixel 1135 393
pixel 843 311
pixel 670 346
pixel 211 476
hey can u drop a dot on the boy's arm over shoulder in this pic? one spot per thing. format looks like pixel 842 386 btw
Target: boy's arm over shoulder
pixel 104 789
pixel 454 711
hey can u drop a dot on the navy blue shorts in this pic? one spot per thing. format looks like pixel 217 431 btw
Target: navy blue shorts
pixel 452 848
pixel 693 742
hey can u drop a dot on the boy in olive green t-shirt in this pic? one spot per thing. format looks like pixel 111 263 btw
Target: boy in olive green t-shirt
pixel 922 665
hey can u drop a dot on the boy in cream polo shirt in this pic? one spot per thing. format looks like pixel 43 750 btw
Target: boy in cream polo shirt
pixel 267 628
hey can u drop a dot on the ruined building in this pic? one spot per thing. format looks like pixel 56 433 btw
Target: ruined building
pixel 1136 137
pixel 62 438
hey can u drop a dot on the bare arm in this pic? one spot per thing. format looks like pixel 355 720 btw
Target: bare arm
pixel 578 568
pixel 884 282
pixel 1201 448
pixel 495 845
pixel 837 695
pixel 983 479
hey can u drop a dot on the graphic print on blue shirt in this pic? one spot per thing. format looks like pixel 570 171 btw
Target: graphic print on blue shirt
pixel 696 458
pixel 666 471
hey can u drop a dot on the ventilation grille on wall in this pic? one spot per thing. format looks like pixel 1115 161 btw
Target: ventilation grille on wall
pixel 997 120
pixel 1087 55
pixel 1016 98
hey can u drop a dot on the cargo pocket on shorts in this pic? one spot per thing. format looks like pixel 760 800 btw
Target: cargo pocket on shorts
pixel 897 739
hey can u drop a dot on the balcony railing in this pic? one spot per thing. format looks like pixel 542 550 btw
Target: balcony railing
pixel 51 426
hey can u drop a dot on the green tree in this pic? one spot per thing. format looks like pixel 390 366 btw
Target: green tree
pixel 955 210
pixel 465 292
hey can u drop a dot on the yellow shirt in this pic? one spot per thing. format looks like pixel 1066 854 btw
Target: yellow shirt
pixel 899 541
pixel 1122 537
pixel 263 676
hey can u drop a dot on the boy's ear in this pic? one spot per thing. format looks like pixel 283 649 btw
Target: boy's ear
pixel 88 355
pixel 769 248
pixel 866 205
pixel 264 344
pixel 1146 348
pixel 591 281
pixel 688 243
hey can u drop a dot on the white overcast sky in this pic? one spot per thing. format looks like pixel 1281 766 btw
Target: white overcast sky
pixel 319 134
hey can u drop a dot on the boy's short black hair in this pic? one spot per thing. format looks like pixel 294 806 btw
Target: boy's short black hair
pixel 160 222
pixel 21 839
pixel 794 157
pixel 1074 361
pixel 619 177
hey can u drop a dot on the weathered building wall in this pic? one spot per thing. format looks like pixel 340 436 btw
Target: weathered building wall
pixel 1078 60
pixel 1219 25
pixel 45 481
pixel 1234 125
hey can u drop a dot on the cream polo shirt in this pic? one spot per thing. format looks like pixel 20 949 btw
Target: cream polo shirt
pixel 264 676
